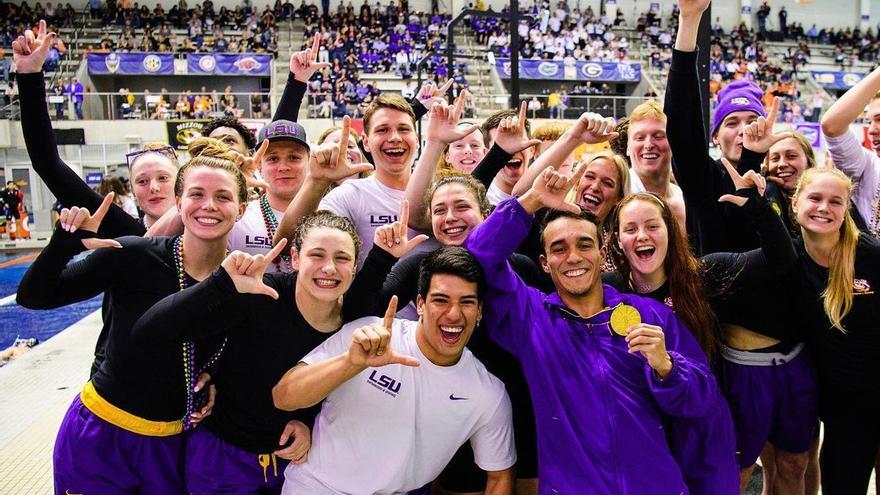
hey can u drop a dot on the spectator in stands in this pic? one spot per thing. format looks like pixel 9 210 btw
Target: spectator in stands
pixel 58 92
pixel 74 91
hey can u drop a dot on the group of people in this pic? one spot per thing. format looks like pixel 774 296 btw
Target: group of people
pixel 490 316
pixel 558 34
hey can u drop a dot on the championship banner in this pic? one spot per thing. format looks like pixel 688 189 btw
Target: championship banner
pixel 583 71
pixel 837 80
pixel 228 64
pixel 183 132
pixel 131 64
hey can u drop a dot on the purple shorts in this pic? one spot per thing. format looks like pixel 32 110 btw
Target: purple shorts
pixel 214 466
pixel 94 456
pixel 773 397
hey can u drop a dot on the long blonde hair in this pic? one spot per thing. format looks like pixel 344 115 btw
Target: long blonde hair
pixel 838 294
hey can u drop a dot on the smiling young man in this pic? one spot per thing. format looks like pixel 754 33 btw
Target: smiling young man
pixel 400 397
pixel 712 227
pixel 858 163
pixel 651 157
pixel 505 180
pixel 391 139
pixel 283 167
pixel 600 398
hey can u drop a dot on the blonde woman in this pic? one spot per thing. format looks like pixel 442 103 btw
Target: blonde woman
pixel 835 285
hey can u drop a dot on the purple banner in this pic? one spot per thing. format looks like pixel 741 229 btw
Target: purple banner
pixel 229 64
pixel 837 80
pixel 580 71
pixel 130 64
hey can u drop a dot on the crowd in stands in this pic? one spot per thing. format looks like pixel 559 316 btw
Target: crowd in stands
pixel 374 39
pixel 560 34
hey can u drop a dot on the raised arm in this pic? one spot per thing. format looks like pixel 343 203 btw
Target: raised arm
pixel 214 306
pixel 848 107
pixel 307 384
pixel 683 107
pixel 327 164
pixel 510 139
pixel 590 128
pixel 776 254
pixel 29 52
pixel 303 65
pixel 51 282
pixel 442 130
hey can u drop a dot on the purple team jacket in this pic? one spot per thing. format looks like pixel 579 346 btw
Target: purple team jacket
pixel 599 410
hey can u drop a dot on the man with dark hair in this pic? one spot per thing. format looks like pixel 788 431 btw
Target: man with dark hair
pixel 232 132
pixel 405 394
pixel 604 368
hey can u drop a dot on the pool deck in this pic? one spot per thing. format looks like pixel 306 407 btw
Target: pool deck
pixel 37 390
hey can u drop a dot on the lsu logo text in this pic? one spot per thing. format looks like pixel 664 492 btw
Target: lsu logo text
pixel 384 383
pixel 379 220
pixel 258 241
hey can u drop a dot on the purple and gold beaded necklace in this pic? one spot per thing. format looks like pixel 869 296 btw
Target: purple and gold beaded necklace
pixel 189 348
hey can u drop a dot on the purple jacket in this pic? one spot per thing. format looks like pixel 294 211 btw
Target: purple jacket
pixel 599 410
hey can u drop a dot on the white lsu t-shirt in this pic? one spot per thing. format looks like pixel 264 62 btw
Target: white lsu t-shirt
pixel 393 429
pixel 249 234
pixel 369 204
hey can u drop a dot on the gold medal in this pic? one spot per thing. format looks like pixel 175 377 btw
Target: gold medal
pixel 623 318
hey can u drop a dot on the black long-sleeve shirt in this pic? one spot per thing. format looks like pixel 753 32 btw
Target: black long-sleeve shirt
pixel 848 362
pixel 291 100
pixel 265 338
pixel 712 226
pixel 64 183
pixel 739 286
pixel 143 376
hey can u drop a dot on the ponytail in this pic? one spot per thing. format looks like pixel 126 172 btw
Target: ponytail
pixel 838 295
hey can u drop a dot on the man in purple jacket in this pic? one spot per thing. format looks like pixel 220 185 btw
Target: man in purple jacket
pixel 603 368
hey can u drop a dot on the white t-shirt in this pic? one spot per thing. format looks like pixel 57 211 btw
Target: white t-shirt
pixel 495 195
pixel 369 204
pixel 393 429
pixel 249 235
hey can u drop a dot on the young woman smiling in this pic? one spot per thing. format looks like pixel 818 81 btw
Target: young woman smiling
pixel 142 397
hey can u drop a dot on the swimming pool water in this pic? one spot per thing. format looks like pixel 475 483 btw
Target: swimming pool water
pixel 16 321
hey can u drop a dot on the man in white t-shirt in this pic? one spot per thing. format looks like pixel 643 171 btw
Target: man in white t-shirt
pixel 401 397
pixel 283 167
pixel 862 165
pixel 390 137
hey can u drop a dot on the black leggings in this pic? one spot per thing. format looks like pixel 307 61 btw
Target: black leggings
pixel 849 452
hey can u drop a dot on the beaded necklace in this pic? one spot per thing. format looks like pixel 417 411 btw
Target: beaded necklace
pixel 271 222
pixel 875 216
pixel 189 348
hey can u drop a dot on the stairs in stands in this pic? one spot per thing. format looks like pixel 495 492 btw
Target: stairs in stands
pixel 291 36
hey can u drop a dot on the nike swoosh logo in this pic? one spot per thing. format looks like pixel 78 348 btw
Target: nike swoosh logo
pixel 453 397
pixel 67 492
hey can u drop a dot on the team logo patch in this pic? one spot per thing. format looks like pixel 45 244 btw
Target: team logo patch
pixel 776 208
pixel 247 64
pixel 208 63
pixel 152 63
pixel 861 287
pixel 548 69
pixel 740 101
pixel 591 71
pixel 112 62
pixel 668 302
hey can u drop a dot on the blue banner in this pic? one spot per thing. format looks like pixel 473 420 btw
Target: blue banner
pixel 837 80
pixel 229 64
pixel 131 63
pixel 580 71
